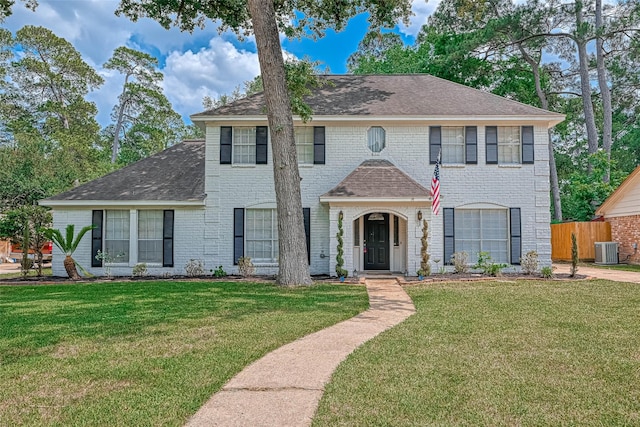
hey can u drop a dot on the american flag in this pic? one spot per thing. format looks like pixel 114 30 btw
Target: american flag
pixel 435 188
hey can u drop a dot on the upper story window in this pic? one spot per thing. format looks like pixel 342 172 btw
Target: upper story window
pixel 376 139
pixel 452 144
pixel 244 145
pixel 509 144
pixel 304 144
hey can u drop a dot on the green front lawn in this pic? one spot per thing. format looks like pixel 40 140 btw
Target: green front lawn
pixel 144 353
pixel 623 267
pixel 498 353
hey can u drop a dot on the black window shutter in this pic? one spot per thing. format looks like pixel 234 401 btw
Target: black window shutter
pixel 96 237
pixel 435 142
pixel 491 138
pixel 527 144
pixel 261 145
pixel 306 214
pixel 167 239
pixel 471 145
pixel 516 235
pixel 238 234
pixel 449 234
pixel 225 145
pixel 318 145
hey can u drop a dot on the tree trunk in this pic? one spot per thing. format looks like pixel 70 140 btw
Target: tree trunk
pixel 544 103
pixel 70 266
pixel 605 93
pixel 293 265
pixel 585 85
pixel 118 126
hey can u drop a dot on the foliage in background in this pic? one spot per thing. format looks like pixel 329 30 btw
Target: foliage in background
pixel 27 226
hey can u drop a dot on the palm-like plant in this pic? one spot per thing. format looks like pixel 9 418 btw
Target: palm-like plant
pixel 68 245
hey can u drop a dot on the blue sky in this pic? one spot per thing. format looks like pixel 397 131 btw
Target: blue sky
pixel 194 65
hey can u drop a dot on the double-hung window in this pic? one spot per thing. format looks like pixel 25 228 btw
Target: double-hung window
pixel 508 144
pixel 482 230
pixel 452 144
pixel 304 144
pixel 261 235
pixel 150 226
pixel 244 145
pixel 116 235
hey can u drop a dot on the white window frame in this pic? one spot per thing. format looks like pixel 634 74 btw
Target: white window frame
pixel 244 145
pixel 143 235
pixel 252 234
pixel 509 145
pixel 484 240
pixel 452 144
pixel 109 225
pixel 376 139
pixel 304 144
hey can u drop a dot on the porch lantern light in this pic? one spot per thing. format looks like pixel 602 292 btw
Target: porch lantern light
pixel 419 215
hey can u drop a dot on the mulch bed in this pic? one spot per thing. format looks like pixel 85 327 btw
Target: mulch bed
pixel 411 280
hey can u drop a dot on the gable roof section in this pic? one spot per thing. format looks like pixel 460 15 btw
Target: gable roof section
pixel 630 186
pixel 173 175
pixel 377 180
pixel 394 95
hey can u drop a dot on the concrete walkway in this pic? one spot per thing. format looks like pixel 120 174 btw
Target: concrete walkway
pixel 601 273
pixel 284 387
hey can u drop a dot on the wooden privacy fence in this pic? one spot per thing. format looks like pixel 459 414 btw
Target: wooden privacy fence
pixel 587 233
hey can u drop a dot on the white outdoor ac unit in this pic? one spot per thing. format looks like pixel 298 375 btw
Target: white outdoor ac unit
pixel 606 252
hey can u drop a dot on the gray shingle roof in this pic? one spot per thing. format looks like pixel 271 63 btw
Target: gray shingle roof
pixel 175 174
pixel 378 179
pixel 419 95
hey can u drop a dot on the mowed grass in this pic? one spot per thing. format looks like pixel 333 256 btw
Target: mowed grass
pixel 622 267
pixel 144 353
pixel 498 353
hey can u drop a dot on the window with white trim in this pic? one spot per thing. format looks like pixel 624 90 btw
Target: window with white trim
pixel 150 223
pixel 509 145
pixel 376 139
pixel 304 144
pixel 482 230
pixel 116 235
pixel 261 235
pixel 452 140
pixel 244 145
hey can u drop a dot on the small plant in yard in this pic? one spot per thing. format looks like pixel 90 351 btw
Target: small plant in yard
pixel 340 270
pixel 194 267
pixel 219 272
pixel 68 245
pixel 547 272
pixel 425 267
pixel 140 270
pixel 574 255
pixel 487 266
pixel 107 259
pixel 245 266
pixel 460 262
pixel 529 262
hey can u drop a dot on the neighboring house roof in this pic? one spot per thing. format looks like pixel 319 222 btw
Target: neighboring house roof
pixel 409 95
pixel 173 175
pixel 377 179
pixel 625 200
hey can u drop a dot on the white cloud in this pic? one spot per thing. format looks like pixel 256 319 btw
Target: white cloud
pixel 212 71
pixel 422 9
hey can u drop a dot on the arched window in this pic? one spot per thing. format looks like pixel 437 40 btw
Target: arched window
pixel 376 139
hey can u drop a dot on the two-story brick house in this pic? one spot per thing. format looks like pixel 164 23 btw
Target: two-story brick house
pixel 368 155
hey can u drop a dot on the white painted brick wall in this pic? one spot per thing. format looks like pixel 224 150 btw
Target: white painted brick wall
pixel 188 243
pixel 522 186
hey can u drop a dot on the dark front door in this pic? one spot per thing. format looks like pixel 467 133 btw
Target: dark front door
pixel 376 233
